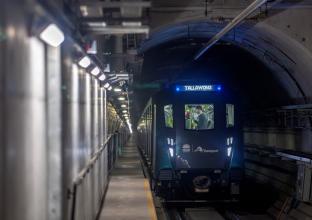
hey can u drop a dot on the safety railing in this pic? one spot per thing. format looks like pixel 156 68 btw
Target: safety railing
pixel 89 186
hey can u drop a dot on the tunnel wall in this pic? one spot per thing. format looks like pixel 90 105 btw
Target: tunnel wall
pixel 280 39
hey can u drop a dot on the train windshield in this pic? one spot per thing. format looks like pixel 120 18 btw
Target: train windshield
pixel 199 116
pixel 229 115
pixel 168 116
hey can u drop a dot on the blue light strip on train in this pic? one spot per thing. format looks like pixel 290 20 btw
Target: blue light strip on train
pixel 198 88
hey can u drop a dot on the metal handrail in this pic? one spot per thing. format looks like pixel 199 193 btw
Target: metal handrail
pixel 82 174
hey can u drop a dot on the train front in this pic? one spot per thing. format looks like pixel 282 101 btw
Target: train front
pixel 205 151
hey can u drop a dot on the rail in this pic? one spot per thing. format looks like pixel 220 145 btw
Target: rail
pixel 84 173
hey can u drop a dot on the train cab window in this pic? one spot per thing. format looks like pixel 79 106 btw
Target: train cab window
pixel 229 115
pixel 199 116
pixel 168 110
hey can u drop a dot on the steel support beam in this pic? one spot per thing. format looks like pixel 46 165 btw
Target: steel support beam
pixel 118 29
pixel 107 20
pixel 130 4
pixel 237 20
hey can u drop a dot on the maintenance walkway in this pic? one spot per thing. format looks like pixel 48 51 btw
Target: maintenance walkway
pixel 128 196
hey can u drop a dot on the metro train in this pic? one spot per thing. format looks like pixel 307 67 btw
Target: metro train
pixel 190 137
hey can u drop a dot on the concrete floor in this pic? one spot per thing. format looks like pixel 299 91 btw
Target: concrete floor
pixel 128 193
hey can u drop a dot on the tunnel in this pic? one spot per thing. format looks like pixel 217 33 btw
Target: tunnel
pixel 101 104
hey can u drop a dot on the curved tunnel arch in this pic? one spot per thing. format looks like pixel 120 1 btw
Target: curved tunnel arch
pixel 287 59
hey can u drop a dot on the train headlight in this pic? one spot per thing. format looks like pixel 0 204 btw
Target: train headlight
pixel 171 151
pixel 229 151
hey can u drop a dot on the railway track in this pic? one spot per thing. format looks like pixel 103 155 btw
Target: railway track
pixel 190 213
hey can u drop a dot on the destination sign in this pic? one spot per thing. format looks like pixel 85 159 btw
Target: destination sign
pixel 198 88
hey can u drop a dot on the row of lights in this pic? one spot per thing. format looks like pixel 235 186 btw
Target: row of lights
pixel 54 36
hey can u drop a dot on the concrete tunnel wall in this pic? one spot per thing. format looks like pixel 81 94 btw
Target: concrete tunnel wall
pixel 283 43
pixel 288 58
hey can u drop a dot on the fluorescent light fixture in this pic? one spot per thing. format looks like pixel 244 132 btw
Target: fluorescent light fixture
pixel 52 35
pixel 171 151
pixel 102 78
pixel 109 88
pixel 106 85
pixel 121 98
pixel 95 71
pixel 84 62
pixel 117 89
pixel 132 23
pixel 123 106
pixel 97 24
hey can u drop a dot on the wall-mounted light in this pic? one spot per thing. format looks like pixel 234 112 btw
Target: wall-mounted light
pixel 102 78
pixel 117 89
pixel 95 71
pixel 106 85
pixel 121 98
pixel 84 62
pixel 52 35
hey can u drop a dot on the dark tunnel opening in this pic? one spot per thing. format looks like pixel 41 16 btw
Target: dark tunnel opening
pixel 231 65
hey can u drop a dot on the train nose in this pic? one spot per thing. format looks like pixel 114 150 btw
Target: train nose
pixel 201 183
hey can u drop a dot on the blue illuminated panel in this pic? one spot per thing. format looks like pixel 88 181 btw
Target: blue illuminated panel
pixel 198 88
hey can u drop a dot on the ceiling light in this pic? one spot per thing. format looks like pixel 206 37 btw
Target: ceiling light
pixel 117 89
pixel 109 88
pixel 124 111
pixel 84 62
pixel 106 85
pixel 102 78
pixel 132 23
pixel 95 71
pixel 52 35
pixel 121 98
pixel 97 24
pixel 123 106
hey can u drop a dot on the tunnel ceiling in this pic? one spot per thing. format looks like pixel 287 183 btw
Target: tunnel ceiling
pixel 226 63
pixel 274 39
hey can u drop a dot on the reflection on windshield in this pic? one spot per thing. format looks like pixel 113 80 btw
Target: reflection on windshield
pixel 199 116
pixel 168 116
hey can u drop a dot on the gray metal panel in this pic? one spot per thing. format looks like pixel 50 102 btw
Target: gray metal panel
pixel 70 123
pixel 25 157
pixel 2 116
pixel 53 84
